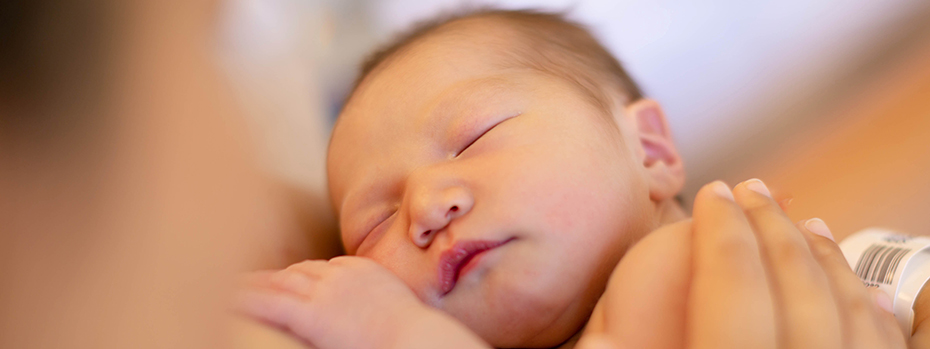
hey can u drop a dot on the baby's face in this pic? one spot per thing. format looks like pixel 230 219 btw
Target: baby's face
pixel 499 195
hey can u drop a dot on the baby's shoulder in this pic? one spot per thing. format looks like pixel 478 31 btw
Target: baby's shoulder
pixel 652 278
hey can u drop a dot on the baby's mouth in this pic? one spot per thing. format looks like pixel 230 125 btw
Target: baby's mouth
pixel 453 260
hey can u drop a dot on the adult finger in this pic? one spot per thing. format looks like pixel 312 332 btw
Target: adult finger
pixel 894 337
pixel 806 312
pixel 861 325
pixel 730 303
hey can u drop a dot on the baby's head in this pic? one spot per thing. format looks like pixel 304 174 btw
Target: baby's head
pixel 512 137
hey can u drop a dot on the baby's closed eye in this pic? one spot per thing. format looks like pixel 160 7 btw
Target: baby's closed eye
pixel 482 133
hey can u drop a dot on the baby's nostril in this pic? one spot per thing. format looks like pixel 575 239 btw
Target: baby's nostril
pixel 426 234
pixel 454 208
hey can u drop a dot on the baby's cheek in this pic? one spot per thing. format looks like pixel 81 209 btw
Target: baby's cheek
pixel 593 211
pixel 398 258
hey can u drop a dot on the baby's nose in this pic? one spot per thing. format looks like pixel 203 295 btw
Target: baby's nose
pixel 432 212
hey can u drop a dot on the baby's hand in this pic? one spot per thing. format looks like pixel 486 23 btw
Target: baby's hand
pixel 346 302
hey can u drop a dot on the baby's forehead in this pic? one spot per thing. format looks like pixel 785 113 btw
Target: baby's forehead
pixel 496 42
pixel 378 136
pixel 455 64
pixel 452 66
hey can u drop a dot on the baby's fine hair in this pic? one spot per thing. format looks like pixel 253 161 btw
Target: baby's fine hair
pixel 544 41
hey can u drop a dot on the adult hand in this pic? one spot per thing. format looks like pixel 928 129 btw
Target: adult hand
pixel 756 280
pixel 348 302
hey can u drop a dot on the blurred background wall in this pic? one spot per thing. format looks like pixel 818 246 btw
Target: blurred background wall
pixel 827 100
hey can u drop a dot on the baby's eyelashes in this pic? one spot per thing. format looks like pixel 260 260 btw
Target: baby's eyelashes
pixel 371 234
pixel 479 136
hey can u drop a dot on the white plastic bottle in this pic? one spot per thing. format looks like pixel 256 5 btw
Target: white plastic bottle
pixel 893 262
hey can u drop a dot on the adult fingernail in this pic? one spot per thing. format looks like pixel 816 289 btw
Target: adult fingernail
pixel 817 226
pixel 756 185
pixel 882 300
pixel 722 190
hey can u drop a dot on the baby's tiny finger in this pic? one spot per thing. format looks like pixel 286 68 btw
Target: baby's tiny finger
pixel 785 203
pixel 268 306
pixel 311 267
pixel 294 282
pixel 283 310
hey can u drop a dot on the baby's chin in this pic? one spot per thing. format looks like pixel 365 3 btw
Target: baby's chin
pixel 509 311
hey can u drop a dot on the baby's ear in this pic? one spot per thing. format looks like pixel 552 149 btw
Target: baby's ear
pixel 660 157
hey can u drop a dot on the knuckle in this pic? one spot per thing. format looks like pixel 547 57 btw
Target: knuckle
pixel 822 248
pixel 308 267
pixel 760 209
pixel 302 265
pixel 789 252
pixel 858 305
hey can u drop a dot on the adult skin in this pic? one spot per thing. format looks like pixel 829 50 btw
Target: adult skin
pixel 747 278
pixel 130 197
pixel 738 274
pixel 122 230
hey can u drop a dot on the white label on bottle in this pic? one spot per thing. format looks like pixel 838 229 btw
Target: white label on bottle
pixel 894 263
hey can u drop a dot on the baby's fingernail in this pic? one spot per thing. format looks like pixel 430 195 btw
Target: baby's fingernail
pixel 756 185
pixel 882 300
pixel 817 226
pixel 785 203
pixel 722 190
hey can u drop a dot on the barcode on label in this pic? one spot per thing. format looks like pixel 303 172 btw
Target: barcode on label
pixel 879 263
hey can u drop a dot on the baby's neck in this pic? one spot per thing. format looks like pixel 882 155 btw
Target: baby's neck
pixel 668 212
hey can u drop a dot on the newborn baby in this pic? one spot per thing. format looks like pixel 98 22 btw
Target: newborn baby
pixel 498 165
